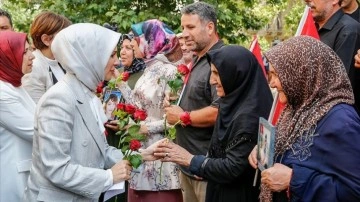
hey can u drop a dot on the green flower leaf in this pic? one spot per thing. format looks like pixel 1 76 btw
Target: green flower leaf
pixel 122 115
pixel 135 160
pixel 112 84
pixel 125 148
pixel 126 139
pixel 172 133
pixel 134 129
pixel 138 136
pixel 120 132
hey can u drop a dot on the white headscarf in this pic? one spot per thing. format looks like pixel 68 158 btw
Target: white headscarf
pixel 84 50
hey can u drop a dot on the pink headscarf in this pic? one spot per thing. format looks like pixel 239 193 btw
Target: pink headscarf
pixel 154 37
pixel 12 47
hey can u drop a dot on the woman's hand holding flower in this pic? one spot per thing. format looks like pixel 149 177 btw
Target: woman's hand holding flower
pixel 121 171
pixel 113 125
pixel 148 153
pixel 171 152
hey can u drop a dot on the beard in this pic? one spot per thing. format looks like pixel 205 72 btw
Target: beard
pixel 199 46
pixel 319 18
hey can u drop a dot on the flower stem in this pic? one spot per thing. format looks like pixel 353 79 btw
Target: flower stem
pixel 161 171
pixel 165 128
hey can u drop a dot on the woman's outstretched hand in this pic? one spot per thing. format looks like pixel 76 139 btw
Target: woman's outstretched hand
pixel 171 152
pixel 148 153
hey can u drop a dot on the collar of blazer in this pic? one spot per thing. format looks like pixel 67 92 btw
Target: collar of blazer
pixel 84 109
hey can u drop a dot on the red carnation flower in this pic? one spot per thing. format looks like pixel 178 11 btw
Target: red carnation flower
pixel 125 76
pixel 130 109
pixel 185 118
pixel 120 106
pixel 135 145
pixel 140 115
pixel 99 88
pixel 183 69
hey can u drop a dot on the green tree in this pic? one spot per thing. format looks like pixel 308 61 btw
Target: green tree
pixel 237 20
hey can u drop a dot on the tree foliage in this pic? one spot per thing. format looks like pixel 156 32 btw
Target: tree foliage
pixel 237 19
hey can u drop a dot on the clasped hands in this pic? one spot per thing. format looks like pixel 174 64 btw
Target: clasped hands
pixel 122 170
pixel 167 151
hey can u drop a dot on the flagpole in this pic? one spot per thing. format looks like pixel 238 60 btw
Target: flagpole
pixel 302 21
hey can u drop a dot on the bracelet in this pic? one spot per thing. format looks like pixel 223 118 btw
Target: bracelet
pixel 185 118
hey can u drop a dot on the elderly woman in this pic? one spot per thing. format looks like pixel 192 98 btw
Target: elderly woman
pixel 71 158
pixel 317 136
pixel 159 47
pixel 16 115
pixel 244 97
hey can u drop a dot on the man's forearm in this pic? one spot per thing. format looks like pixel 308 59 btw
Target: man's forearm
pixel 204 117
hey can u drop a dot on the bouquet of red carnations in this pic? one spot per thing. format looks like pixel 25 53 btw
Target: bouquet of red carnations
pixel 130 137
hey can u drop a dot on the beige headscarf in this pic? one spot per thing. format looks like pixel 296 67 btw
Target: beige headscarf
pixel 84 50
pixel 314 80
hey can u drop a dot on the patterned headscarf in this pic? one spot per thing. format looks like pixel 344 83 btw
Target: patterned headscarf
pixel 12 47
pixel 84 50
pixel 313 79
pixel 154 37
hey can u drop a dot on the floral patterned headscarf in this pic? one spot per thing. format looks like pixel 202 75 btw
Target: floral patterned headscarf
pixel 154 37
pixel 313 79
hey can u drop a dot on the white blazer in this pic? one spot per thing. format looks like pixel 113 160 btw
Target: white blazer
pixel 16 134
pixel 70 152
pixel 40 79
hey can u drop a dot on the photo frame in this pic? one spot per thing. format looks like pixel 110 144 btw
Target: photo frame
pixel 112 97
pixel 266 143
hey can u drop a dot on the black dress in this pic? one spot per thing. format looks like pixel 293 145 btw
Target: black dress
pixel 247 97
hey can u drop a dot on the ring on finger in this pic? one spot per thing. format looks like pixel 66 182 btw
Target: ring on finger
pixel 166 154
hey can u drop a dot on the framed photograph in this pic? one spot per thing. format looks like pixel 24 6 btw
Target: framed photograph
pixel 266 142
pixel 112 97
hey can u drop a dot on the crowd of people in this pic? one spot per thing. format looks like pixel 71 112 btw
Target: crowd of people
pixel 59 142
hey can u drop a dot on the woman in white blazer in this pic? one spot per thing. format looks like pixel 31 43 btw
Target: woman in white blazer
pixel 46 70
pixel 71 158
pixel 16 116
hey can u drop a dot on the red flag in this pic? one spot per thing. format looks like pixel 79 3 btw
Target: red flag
pixel 276 110
pixel 307 25
pixel 256 50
